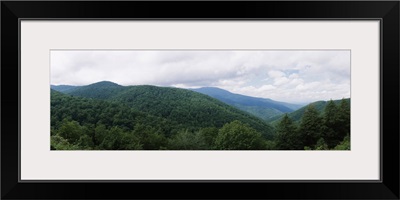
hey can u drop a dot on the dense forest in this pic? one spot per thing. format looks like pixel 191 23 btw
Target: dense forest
pixel 107 116
pixel 331 130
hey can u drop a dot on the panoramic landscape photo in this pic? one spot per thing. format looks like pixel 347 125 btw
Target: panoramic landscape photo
pixel 200 100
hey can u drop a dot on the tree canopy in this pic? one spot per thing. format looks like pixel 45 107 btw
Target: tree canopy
pixel 107 116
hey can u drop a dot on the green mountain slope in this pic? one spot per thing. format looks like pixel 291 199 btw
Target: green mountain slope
pixel 99 90
pixel 108 116
pixel 185 108
pixel 260 107
pixel 297 115
pixel 93 111
pixel 79 123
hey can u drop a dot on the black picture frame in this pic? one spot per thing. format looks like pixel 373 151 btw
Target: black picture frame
pixel 386 11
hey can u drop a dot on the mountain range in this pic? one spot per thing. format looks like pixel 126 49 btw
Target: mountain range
pixel 165 101
pixel 109 116
pixel 262 108
pixel 192 110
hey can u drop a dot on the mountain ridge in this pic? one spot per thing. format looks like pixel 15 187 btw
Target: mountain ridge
pixel 263 108
pixel 297 114
pixel 192 109
pixel 106 115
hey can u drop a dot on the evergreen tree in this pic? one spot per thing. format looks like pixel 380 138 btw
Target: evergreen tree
pixel 332 124
pixel 344 118
pixel 286 135
pixel 311 127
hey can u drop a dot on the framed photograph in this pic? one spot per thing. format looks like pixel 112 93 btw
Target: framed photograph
pixel 219 99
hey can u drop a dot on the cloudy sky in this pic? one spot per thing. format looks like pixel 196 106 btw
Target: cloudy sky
pixel 290 76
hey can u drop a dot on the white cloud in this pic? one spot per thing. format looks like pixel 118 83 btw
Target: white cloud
pixel 275 74
pixel 267 87
pixel 293 76
pixel 280 81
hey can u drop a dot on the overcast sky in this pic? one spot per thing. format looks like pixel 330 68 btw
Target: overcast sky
pixel 290 76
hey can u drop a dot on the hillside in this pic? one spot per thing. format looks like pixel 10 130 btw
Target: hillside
pixel 260 107
pixel 63 88
pixel 93 111
pixel 188 109
pixel 108 116
pixel 81 123
pixel 297 115
pixel 99 90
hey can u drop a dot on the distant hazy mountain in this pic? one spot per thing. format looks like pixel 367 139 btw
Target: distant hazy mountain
pixel 260 107
pixel 63 88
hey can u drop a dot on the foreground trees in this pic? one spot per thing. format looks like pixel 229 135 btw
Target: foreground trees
pixel 238 136
pixel 311 127
pixel 232 136
pixel 287 136
pixel 316 132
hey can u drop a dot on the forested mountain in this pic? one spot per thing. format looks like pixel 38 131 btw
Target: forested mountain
pixel 108 116
pixel 99 90
pixel 169 114
pixel 260 107
pixel 84 123
pixel 63 88
pixel 298 114
pixel 191 109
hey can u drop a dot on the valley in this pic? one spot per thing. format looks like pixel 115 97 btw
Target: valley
pixel 108 116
